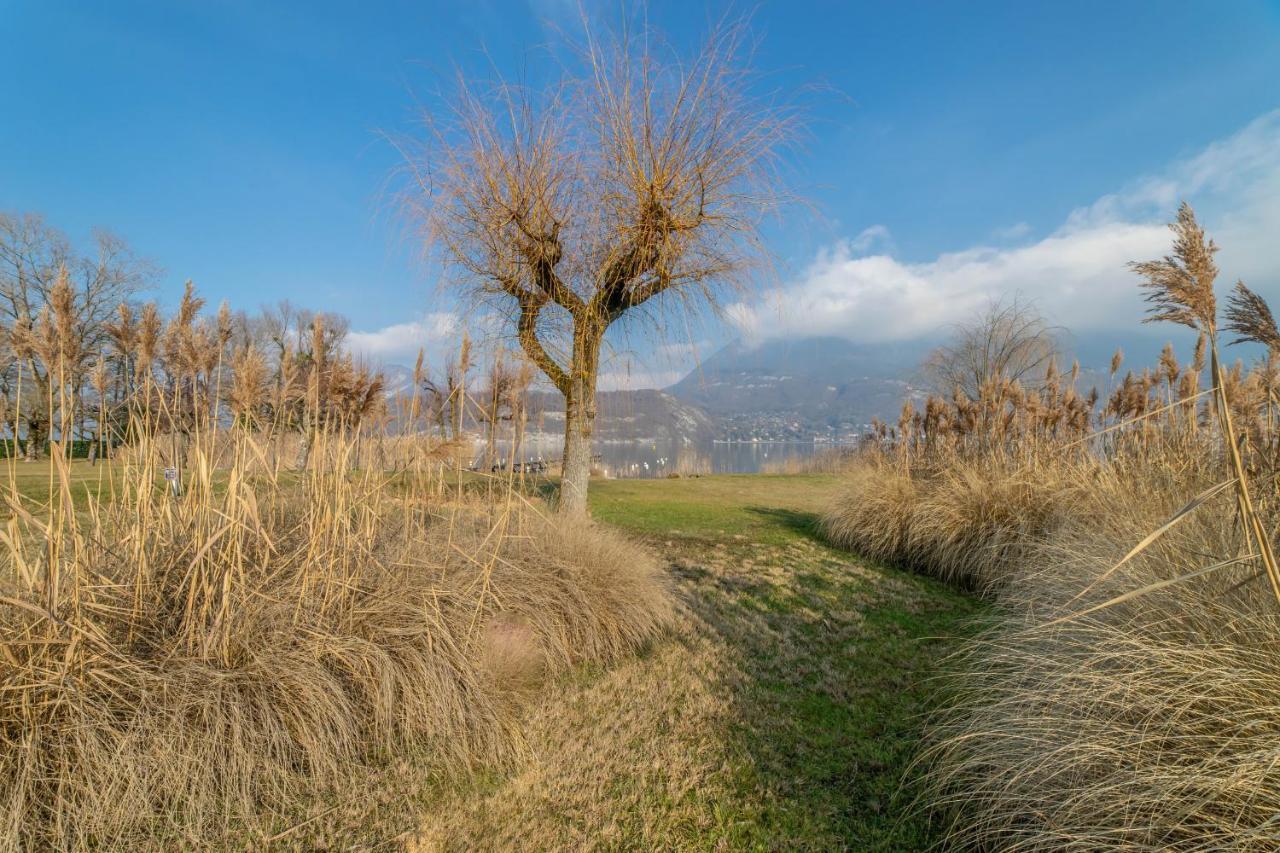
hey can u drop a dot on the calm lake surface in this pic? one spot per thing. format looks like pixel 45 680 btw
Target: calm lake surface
pixel 657 459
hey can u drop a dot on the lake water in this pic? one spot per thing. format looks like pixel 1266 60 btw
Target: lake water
pixel 656 459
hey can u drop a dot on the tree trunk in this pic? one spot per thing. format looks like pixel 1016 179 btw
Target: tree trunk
pixel 35 438
pixel 304 450
pixel 579 421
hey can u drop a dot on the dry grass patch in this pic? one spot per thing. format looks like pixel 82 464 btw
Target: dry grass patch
pixel 781 715
pixel 965 523
pixel 1126 696
pixel 125 727
pixel 266 656
pixel 1151 724
pixel 223 646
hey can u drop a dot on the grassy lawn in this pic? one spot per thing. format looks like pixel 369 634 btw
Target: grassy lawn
pixel 762 508
pixel 33 479
pixel 783 714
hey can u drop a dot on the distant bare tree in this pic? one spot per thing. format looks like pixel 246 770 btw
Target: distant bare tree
pixel 285 326
pixel 447 396
pixel 638 180
pixel 34 258
pixel 1008 340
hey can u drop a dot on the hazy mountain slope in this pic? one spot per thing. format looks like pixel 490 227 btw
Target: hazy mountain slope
pixel 798 389
pixel 790 387
pixel 631 415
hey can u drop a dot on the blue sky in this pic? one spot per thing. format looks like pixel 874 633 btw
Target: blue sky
pixel 239 144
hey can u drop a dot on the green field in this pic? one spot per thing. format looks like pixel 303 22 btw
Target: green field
pixel 36 479
pixel 784 714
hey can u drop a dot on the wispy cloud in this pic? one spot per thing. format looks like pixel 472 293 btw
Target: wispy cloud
pixel 1012 232
pixel 638 378
pixel 1077 274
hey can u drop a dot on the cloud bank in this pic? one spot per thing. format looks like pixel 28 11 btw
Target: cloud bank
pixel 1077 275
pixel 400 342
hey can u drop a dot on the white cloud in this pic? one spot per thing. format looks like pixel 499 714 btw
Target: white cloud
pixel 1077 274
pixel 876 235
pixel 1013 232
pixel 400 342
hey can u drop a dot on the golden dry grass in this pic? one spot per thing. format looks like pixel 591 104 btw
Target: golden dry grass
pixel 966 523
pixel 125 727
pixel 1124 697
pixel 249 650
pixel 1150 724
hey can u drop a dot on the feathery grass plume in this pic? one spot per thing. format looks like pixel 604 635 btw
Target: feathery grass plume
pixel 1169 367
pixel 123 334
pixel 44 342
pixel 1198 360
pixel 248 385
pixel 224 324
pixel 100 379
pixel 22 339
pixel 1249 317
pixel 1180 286
pixel 1117 359
pixel 148 339
pixel 178 348
pixel 1181 290
pixel 905 420
pixel 419 377
pixel 62 304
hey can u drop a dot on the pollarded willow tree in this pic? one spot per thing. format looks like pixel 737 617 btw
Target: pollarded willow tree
pixel 1009 340
pixel 636 183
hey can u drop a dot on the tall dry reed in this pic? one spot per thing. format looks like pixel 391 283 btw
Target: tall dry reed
pixel 219 646
pixel 1124 695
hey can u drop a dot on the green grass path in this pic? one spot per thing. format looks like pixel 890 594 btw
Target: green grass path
pixel 783 716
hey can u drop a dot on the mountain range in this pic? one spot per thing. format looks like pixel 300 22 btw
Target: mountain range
pixel 823 387
pixel 795 389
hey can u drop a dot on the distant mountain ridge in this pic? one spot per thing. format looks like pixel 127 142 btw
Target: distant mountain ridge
pixel 644 415
pixel 815 386
pixel 621 416
pixel 824 387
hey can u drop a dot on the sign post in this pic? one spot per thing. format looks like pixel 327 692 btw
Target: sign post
pixel 171 477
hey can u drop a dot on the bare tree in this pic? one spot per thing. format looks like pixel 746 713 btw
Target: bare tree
pixel 637 181
pixel 1009 340
pixel 447 396
pixel 34 259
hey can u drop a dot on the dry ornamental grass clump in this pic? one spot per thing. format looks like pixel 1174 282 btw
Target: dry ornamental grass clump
pixel 872 513
pixel 245 654
pixel 1151 723
pixel 1126 695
